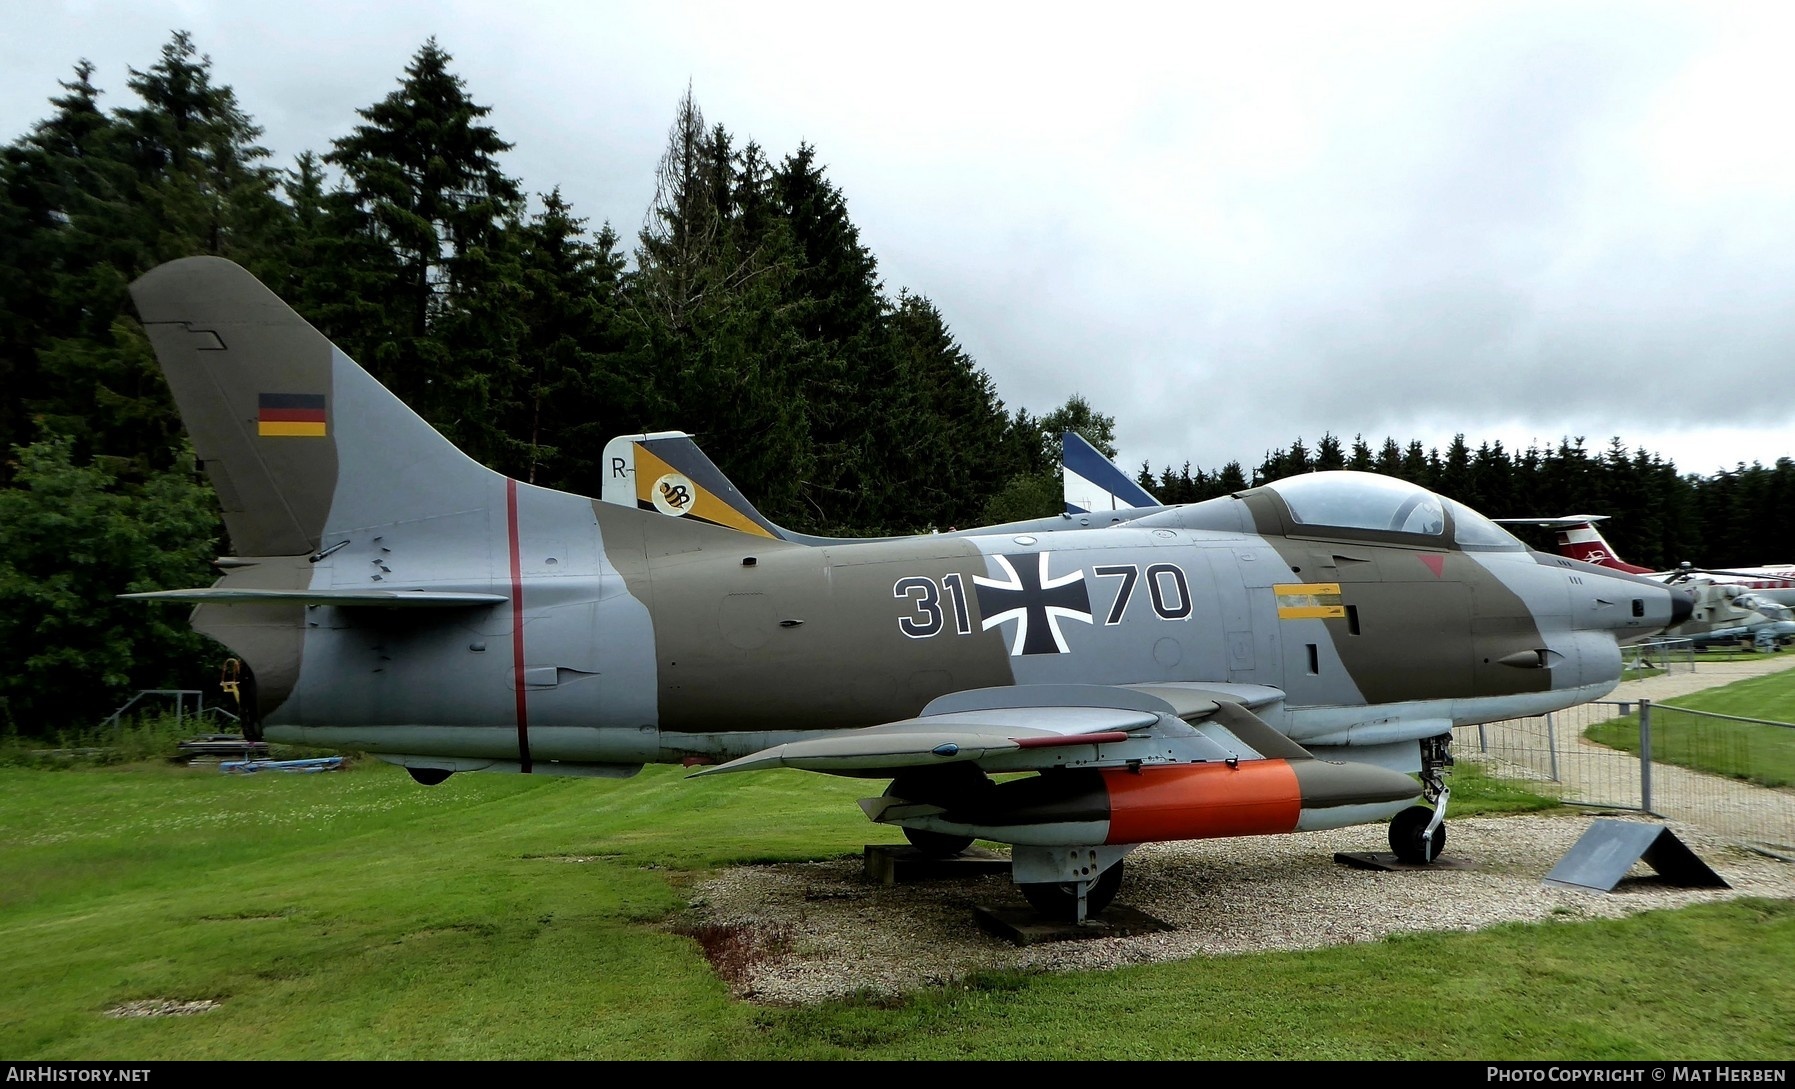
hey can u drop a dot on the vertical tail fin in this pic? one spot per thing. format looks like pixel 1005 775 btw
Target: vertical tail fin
pixel 293 434
pixel 1583 541
pixel 665 471
pixel 1093 483
pixel 1579 539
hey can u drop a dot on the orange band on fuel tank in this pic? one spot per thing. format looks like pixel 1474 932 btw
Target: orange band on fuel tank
pixel 1202 801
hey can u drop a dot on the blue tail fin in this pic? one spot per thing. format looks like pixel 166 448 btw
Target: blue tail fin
pixel 1092 481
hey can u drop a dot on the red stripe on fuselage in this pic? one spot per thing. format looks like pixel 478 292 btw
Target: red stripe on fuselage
pixel 517 626
pixel 1202 801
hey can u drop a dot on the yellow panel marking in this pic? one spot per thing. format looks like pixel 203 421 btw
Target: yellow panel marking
pixel 1309 601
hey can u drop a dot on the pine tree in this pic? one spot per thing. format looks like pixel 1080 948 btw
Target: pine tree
pixel 683 260
pixel 1328 454
pixel 58 184
pixel 195 154
pixel 1389 458
pixel 431 216
pixel 707 302
pixel 1492 482
pixel 1414 463
pixel 1454 478
pixel 1231 479
pixel 949 424
pixel 846 372
pixel 581 385
pixel 91 202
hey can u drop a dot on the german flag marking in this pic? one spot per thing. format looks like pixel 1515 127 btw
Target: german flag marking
pixel 288 415
pixel 1309 601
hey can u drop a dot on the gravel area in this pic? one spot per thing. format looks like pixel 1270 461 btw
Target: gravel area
pixel 792 934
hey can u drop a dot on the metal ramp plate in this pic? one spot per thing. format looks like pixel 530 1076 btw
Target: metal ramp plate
pixel 1608 851
pixel 1025 926
pixel 1384 860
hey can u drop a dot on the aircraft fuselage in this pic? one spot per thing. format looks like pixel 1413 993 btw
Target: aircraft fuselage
pixel 630 637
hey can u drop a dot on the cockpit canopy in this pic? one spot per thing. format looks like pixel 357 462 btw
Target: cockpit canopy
pixel 1771 609
pixel 1346 504
pixel 1348 500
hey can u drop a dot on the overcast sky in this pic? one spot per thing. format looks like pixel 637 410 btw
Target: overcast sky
pixel 1226 225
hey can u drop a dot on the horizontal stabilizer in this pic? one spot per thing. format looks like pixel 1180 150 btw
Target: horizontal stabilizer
pixel 388 599
pixel 1567 522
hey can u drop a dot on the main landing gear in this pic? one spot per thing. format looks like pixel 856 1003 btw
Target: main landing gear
pixel 1059 900
pixel 1063 885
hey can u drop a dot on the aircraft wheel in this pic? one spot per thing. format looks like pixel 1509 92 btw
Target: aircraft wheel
pixel 937 844
pixel 1407 837
pixel 429 776
pixel 1058 900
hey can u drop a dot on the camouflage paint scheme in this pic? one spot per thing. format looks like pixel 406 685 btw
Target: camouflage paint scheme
pixel 1291 657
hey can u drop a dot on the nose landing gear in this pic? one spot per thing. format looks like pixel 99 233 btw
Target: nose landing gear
pixel 1418 833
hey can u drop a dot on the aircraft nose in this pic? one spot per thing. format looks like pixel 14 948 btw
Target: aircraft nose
pixel 1682 604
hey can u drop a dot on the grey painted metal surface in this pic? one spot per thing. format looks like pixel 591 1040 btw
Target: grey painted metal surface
pixel 1291 657
pixel 1610 849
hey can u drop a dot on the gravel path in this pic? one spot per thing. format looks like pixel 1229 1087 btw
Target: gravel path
pixel 793 934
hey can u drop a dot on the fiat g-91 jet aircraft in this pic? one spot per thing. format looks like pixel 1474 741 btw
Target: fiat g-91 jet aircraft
pixel 1291 657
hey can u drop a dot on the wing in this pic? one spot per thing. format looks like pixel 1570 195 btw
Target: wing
pixel 1026 727
pixel 1117 764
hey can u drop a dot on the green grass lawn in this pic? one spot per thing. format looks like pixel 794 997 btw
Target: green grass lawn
pixel 354 914
pixel 1763 754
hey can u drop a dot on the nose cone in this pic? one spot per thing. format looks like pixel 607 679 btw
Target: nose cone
pixel 1682 605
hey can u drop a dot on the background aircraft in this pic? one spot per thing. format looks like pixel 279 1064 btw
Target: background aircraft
pixel 665 471
pixel 1579 539
pixel 1094 484
pixel 1728 615
pixel 1291 657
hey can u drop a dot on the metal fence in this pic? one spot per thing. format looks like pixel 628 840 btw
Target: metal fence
pixel 188 703
pixel 1659 656
pixel 1649 758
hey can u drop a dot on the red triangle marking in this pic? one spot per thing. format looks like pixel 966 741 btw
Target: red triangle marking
pixel 1435 563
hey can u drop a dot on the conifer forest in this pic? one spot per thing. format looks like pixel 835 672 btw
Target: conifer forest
pixel 745 310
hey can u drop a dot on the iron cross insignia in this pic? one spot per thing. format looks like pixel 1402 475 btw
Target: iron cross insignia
pixel 1035 601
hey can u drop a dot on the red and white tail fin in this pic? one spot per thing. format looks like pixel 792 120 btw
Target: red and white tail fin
pixel 1579 539
pixel 1583 541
